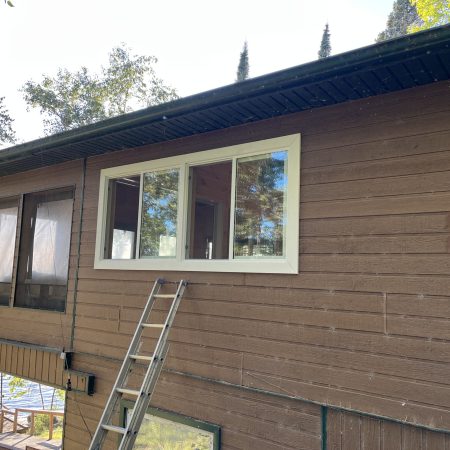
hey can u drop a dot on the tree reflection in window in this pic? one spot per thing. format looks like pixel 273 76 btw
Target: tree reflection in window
pixel 159 214
pixel 260 213
pixel 159 433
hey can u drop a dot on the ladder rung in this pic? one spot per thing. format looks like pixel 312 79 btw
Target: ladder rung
pixel 153 325
pixel 128 391
pixel 164 296
pixel 142 358
pixel 119 430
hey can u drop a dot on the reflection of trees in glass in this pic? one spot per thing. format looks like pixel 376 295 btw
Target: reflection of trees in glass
pixel 259 217
pixel 161 434
pixel 159 213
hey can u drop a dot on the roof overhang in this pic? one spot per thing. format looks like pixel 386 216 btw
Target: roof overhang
pixel 394 65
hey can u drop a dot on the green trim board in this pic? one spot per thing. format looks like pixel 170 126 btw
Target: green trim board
pixel 177 418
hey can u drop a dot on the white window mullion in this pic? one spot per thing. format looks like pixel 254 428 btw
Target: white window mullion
pixel 138 232
pixel 232 209
pixel 183 191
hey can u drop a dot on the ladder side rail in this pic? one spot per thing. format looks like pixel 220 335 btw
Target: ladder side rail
pixel 160 345
pixel 142 404
pixel 153 369
pixel 100 433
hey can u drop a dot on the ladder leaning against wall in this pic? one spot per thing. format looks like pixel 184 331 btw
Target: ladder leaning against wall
pixel 155 363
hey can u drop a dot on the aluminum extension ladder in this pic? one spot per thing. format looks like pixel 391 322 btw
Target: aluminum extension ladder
pixel 155 364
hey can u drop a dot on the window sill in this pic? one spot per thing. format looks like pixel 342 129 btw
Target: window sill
pixel 257 265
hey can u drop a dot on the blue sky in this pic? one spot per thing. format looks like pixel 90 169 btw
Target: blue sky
pixel 197 42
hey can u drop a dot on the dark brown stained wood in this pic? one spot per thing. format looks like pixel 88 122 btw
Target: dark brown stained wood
pixel 378 187
pixel 426 223
pixel 244 417
pixel 29 325
pixel 353 431
pixel 364 325
pixel 388 148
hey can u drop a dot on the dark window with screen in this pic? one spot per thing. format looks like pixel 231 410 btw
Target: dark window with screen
pixel 8 226
pixel 44 250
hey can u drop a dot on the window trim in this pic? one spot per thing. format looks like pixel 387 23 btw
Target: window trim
pixel 288 264
pixel 175 417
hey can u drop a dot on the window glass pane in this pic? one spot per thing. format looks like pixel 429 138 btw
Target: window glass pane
pixel 159 214
pixel 123 210
pixel 209 213
pixel 159 433
pixel 8 224
pixel 261 188
pixel 44 250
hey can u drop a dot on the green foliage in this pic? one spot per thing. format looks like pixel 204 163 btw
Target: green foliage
pixel 159 211
pixel 17 387
pixel 7 134
pixel 156 434
pixel 243 67
pixel 131 81
pixel 402 16
pixel 260 195
pixel 325 44
pixel 42 426
pixel 432 13
pixel 9 3
pixel 73 99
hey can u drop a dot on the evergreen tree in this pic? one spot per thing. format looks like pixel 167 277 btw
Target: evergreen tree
pixel 403 16
pixel 243 67
pixel 325 45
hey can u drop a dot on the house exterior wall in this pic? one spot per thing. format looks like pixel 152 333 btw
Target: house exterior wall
pixel 364 326
pixel 44 328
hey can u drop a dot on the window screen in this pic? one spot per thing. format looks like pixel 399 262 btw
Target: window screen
pixel 44 250
pixel 8 225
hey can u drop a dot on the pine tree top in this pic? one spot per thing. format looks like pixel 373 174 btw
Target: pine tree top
pixel 325 44
pixel 243 67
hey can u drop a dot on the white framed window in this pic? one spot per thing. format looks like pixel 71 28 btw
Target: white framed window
pixel 232 209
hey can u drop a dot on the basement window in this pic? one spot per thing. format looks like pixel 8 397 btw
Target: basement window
pixel 233 209
pixel 43 263
pixel 167 430
pixel 8 226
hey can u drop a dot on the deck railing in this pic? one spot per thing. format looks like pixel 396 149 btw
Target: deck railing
pixel 33 413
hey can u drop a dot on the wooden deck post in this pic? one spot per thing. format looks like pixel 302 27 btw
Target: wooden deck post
pixel 32 423
pixel 50 427
pixel 16 415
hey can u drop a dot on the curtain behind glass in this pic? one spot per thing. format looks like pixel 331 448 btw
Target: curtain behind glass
pixel 51 242
pixel 8 224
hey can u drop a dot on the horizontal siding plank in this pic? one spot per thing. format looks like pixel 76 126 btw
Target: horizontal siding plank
pixel 417 243
pixel 380 149
pixel 376 225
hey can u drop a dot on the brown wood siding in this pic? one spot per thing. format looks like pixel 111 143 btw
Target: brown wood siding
pixel 365 324
pixel 347 431
pixel 248 420
pixel 46 328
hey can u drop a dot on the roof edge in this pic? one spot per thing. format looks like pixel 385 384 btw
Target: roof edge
pixel 311 71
